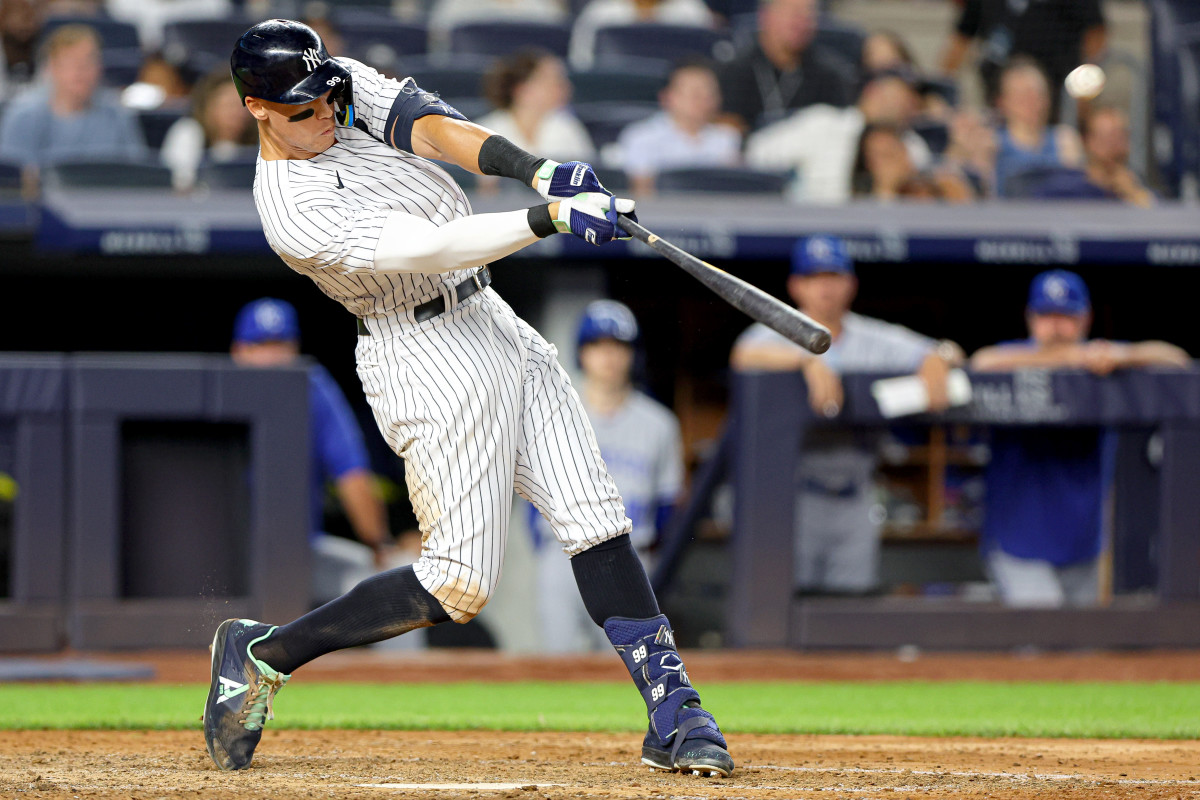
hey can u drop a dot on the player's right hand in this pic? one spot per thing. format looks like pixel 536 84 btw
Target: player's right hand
pixel 592 216
pixel 557 181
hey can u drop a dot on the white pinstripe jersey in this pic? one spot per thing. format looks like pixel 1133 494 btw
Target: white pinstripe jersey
pixel 323 215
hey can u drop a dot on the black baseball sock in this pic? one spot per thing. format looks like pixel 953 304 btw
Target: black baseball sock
pixel 612 582
pixel 378 608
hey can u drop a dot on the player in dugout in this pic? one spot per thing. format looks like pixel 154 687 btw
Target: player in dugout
pixel 837 534
pixel 1043 524
pixel 469 394
pixel 640 442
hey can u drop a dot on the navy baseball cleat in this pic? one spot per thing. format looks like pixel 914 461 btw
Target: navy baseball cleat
pixel 240 695
pixel 682 736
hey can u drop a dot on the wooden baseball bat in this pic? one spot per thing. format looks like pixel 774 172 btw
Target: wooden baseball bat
pixel 752 301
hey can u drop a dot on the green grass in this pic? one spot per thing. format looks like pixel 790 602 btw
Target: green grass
pixel 1106 710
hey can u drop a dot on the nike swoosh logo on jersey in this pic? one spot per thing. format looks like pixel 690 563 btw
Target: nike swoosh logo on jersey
pixel 339 177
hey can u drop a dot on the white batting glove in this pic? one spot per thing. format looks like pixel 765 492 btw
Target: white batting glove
pixel 592 216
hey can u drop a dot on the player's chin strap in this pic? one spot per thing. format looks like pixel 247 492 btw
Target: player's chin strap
pixel 647 646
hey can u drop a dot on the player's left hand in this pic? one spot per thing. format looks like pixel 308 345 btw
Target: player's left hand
pixel 557 181
pixel 592 216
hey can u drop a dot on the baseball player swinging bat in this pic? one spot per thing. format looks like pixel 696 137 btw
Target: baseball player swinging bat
pixel 750 300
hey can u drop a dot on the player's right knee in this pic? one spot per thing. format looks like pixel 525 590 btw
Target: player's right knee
pixel 464 596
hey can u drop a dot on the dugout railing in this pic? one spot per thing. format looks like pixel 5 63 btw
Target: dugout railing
pixel 769 422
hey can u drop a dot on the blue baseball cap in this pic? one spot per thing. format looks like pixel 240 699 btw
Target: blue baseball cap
pixel 266 320
pixel 1059 291
pixel 818 254
pixel 607 319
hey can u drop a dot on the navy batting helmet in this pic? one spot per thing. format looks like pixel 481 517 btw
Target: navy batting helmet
pixel 607 319
pixel 283 61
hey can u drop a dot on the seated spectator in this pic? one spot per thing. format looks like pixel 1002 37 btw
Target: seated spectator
pixel 446 14
pixel 1105 134
pixel 782 70
pixel 683 134
pixel 599 14
pixel 152 16
pixel 219 129
pixel 1042 532
pixel 837 532
pixel 820 142
pixel 883 170
pixel 1025 139
pixel 69 118
pixel 20 26
pixel 530 91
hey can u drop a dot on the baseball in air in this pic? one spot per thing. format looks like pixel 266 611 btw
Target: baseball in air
pixel 1085 82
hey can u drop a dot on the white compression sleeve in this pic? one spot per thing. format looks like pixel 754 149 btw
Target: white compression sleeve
pixel 411 244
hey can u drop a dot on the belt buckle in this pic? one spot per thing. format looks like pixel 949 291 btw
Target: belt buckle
pixel 478 283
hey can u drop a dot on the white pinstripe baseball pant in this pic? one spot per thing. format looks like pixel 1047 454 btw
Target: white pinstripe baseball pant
pixel 477 404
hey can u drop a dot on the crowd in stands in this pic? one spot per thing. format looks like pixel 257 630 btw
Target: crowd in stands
pixel 779 90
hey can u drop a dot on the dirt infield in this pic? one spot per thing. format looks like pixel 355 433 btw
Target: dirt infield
pixel 364 764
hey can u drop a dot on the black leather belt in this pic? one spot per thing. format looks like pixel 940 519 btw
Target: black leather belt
pixel 480 280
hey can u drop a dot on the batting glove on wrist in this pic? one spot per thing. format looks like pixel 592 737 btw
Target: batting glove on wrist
pixel 593 217
pixel 557 181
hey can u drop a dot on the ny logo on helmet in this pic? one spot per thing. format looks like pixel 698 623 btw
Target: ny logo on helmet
pixel 312 58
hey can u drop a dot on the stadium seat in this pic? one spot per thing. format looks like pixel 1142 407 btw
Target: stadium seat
pixel 616 85
pixel 461 78
pixel 496 39
pixel 201 45
pixel 665 43
pixel 227 175
pixel 724 180
pixel 843 38
pixel 121 66
pixel 106 175
pixel 379 39
pixel 156 122
pixel 1027 183
pixel 605 121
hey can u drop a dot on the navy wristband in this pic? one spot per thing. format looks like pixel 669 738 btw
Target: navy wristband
pixel 540 221
pixel 499 156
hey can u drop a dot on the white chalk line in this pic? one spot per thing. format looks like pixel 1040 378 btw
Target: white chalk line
pixel 447 787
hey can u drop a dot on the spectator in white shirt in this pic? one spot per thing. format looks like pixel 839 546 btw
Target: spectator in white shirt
pixel 530 91
pixel 683 134
pixel 599 14
pixel 820 142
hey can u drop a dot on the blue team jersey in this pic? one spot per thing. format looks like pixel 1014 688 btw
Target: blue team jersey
pixel 1045 492
pixel 337 441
